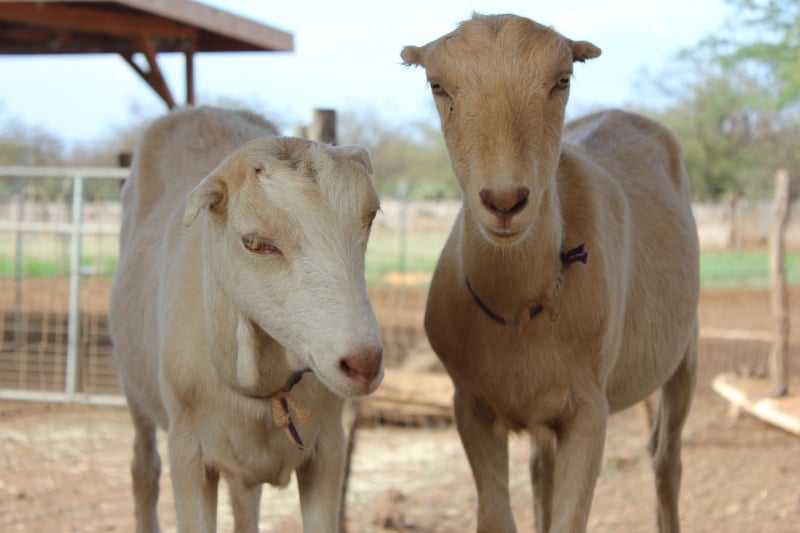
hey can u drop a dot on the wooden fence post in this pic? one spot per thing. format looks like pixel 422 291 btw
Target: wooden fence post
pixel 779 355
pixel 323 126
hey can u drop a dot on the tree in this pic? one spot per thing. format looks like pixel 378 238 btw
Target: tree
pixel 710 115
pixel 735 100
pixel 25 145
pixel 763 40
pixel 764 36
pixel 412 155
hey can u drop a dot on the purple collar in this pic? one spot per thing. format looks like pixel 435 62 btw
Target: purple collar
pixel 573 255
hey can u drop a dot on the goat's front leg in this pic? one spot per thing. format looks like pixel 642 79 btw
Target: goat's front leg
pixel 194 486
pixel 487 452
pixel 245 503
pixel 579 455
pixel 542 464
pixel 320 479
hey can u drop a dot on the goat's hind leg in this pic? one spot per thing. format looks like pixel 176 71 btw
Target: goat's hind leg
pixel 665 439
pixel 145 471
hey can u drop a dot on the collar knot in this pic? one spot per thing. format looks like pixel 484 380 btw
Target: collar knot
pixel 574 255
pixel 281 400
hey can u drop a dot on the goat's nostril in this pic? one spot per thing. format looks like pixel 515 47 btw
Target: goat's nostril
pixel 346 369
pixel 366 365
pixel 505 203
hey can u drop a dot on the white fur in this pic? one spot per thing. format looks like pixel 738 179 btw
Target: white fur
pixel 204 329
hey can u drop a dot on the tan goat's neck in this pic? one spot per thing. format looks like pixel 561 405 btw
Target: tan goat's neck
pixel 513 281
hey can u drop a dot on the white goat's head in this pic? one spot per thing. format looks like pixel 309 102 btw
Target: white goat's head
pixel 286 233
pixel 500 84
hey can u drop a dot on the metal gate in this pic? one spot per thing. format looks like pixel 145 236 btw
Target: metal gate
pixel 59 244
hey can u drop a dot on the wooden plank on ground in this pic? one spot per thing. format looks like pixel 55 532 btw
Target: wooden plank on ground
pixel 752 395
pixel 409 399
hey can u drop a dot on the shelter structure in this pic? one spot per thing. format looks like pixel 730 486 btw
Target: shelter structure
pixel 131 27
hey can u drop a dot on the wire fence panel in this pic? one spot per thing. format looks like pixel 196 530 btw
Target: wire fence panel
pixel 58 250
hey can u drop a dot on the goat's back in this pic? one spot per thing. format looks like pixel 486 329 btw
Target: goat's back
pixel 181 148
pixel 648 238
pixel 623 141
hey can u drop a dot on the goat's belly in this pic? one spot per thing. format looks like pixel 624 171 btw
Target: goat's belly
pixel 635 377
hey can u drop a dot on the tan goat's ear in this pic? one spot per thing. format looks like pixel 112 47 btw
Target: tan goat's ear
pixel 357 154
pixel 212 193
pixel 583 50
pixel 412 55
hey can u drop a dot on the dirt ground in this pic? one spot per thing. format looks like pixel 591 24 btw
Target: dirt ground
pixel 65 467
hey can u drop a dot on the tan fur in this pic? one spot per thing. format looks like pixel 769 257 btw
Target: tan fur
pixel 205 330
pixel 615 329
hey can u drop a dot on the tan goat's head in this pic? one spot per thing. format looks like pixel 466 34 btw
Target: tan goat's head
pixel 500 84
pixel 285 237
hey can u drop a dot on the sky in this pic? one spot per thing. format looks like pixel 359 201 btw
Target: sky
pixel 347 58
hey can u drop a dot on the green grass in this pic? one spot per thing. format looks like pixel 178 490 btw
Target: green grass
pixel 48 268
pixel 718 270
pixel 385 257
pixel 730 270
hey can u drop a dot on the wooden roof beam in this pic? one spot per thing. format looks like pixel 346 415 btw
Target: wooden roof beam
pixel 95 21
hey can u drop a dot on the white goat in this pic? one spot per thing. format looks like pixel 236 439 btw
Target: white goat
pixel 214 324
pixel 532 343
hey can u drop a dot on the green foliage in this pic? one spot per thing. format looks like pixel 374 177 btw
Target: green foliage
pixel 711 114
pixel 764 35
pixel 735 101
pixel 26 145
pixel 408 160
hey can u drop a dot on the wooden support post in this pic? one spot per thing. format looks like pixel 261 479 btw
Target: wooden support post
pixel 323 126
pixel 779 355
pixel 190 77
pixel 153 75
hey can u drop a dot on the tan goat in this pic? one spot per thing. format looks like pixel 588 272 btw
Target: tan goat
pixel 229 289
pixel 533 339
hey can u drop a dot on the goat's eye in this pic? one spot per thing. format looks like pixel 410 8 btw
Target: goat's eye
pixel 437 89
pixel 561 84
pixel 260 246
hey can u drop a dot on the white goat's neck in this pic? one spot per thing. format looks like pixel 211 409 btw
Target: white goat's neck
pixel 244 356
pixel 511 280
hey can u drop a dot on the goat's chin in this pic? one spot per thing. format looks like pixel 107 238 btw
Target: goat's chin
pixel 503 236
pixel 347 388
pixel 504 233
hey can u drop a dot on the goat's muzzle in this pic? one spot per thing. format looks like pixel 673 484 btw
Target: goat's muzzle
pixel 364 369
pixel 504 203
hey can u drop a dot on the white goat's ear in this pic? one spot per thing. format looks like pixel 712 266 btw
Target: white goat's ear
pixel 412 55
pixel 583 50
pixel 212 193
pixel 246 353
pixel 357 154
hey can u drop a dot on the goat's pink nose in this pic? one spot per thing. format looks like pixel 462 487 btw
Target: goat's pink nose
pixel 506 203
pixel 363 366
